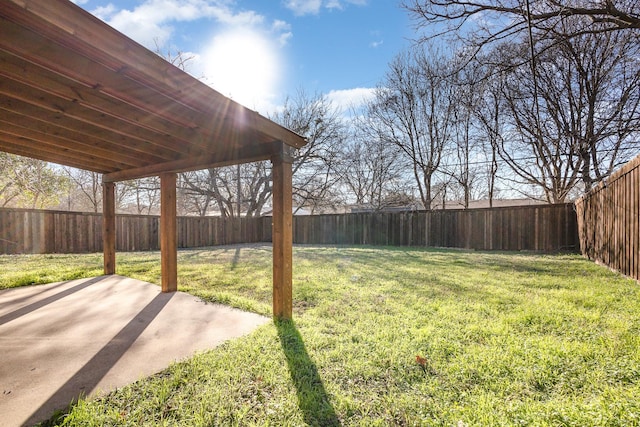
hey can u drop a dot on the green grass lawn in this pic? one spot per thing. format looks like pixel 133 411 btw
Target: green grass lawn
pixel 503 339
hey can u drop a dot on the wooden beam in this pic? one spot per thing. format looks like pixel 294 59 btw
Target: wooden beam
pixel 67 30
pixel 77 92
pixel 25 80
pixel 168 239
pixel 109 227
pixel 88 116
pixel 87 86
pixel 63 140
pixel 282 234
pixel 28 148
pixel 229 156
pixel 105 138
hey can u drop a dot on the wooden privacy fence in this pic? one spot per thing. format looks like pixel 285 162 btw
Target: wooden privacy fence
pixel 532 228
pixel 25 231
pixel 608 221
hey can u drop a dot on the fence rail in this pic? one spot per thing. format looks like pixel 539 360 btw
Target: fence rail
pixel 24 231
pixel 608 221
pixel 534 228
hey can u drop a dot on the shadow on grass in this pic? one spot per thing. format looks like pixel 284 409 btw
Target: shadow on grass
pixel 236 258
pixel 312 396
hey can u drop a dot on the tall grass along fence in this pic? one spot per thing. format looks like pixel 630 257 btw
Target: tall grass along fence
pixel 608 221
pixel 35 231
pixel 534 228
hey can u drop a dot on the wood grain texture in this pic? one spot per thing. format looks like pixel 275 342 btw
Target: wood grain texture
pixel 282 238
pixel 101 102
pixel 534 227
pixel 108 228
pixel 168 233
pixel 609 221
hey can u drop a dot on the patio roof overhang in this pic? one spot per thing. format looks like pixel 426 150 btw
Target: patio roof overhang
pixel 76 92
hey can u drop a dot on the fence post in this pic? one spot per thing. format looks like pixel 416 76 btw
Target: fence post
pixel 282 234
pixel 168 234
pixel 109 226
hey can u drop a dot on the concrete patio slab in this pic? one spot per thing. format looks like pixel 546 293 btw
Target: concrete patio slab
pixel 89 336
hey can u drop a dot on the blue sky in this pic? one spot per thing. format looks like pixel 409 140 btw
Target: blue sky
pixel 259 51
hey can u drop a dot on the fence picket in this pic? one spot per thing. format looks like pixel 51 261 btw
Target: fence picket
pixel 542 228
pixel 608 221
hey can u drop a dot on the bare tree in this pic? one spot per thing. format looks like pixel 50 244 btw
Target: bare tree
pixel 85 192
pixel 370 168
pixel 140 196
pixel 414 109
pixel 574 113
pixel 232 191
pixel 315 177
pixel 489 123
pixel 246 189
pixel 196 192
pixel 603 87
pixel 177 58
pixel 480 22
pixel 466 156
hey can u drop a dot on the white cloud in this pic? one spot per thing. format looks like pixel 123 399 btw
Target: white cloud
pixel 150 22
pixel 304 7
pixel 334 4
pixel 279 25
pixel 351 98
pixel 284 29
pixel 313 7
pixel 376 35
pixel 104 12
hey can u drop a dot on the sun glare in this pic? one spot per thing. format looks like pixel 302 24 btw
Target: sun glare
pixel 244 66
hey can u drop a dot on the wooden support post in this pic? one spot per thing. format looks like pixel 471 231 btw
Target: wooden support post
pixel 168 239
pixel 282 234
pixel 109 227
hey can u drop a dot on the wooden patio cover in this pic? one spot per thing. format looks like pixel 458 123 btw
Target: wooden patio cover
pixel 74 91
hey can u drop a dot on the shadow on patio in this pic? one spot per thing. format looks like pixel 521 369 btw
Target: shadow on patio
pixel 85 337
